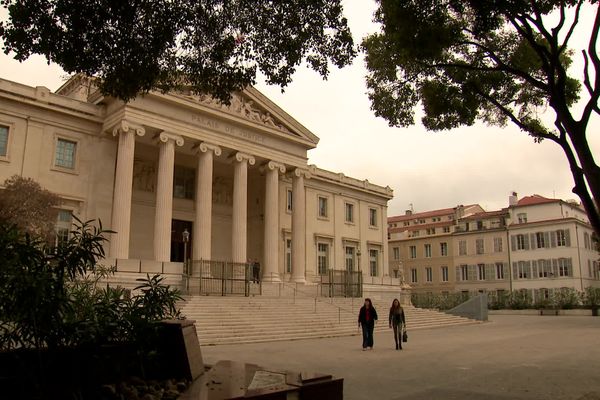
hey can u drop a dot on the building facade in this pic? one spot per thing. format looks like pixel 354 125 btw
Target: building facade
pixel 179 175
pixel 536 244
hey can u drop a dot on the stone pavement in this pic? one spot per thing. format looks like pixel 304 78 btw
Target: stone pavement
pixel 510 357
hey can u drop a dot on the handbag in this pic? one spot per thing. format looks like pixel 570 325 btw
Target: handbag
pixel 404 337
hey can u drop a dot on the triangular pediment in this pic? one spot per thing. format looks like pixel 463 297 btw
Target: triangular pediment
pixel 253 106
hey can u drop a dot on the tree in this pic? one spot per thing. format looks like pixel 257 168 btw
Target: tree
pixel 32 209
pixel 495 61
pixel 208 46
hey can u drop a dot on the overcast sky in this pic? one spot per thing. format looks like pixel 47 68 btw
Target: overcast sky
pixel 429 170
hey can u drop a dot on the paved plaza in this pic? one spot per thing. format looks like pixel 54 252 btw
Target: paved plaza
pixel 510 357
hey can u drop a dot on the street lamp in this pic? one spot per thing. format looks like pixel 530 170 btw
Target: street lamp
pixel 186 238
pixel 358 254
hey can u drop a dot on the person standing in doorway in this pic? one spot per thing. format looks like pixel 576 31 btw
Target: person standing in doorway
pixel 397 322
pixel 366 320
pixel 256 271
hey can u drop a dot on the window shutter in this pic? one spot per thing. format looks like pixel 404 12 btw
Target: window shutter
pixel 534 269
pixel 505 270
pixel 553 238
pixel 555 267
pixel 533 241
pixel 472 272
pixel 515 271
pixel 490 272
pixel 457 273
pixel 528 268
pixel 546 239
pixel 568 237
pixel 513 242
pixel 526 241
pixel 569 262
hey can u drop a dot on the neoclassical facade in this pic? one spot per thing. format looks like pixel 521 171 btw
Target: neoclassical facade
pixel 235 177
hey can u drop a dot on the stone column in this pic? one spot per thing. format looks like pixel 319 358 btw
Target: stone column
pixel 121 209
pixel 270 271
pixel 164 195
pixel 299 225
pixel 201 238
pixel 240 206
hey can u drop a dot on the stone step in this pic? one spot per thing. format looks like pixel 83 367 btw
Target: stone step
pixel 227 320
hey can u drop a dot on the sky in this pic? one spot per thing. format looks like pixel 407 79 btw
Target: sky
pixel 426 170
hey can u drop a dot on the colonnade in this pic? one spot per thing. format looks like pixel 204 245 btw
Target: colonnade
pixel 201 240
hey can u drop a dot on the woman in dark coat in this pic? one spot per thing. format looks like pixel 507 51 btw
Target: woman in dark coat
pixel 397 322
pixel 366 320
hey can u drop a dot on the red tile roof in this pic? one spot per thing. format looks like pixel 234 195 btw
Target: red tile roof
pixel 535 199
pixel 486 214
pixel 426 214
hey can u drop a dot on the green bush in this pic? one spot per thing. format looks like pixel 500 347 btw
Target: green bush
pixel 51 296
pixel 566 298
pixel 591 297
pixel 519 300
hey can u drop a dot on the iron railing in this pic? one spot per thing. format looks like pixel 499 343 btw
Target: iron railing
pixel 222 278
pixel 341 283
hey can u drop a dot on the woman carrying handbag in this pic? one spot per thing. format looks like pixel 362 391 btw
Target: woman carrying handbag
pixel 397 321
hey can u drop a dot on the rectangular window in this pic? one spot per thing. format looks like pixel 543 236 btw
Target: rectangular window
pixel 184 183
pixel 289 200
pixel 428 274
pixel 349 212
pixel 288 256
pixel 539 238
pixel 522 218
pixel 65 153
pixel 349 258
pixel 497 244
pixel 564 267
pixel 415 233
pixel 481 272
pixel 372 217
pixel 544 269
pixel 464 273
pixel 428 251
pixel 414 278
pixel 444 274
pixel 413 251
pixel 499 271
pixel 462 248
pixel 322 207
pixel 396 251
pixel 446 229
pixel 374 262
pixel 444 249
pixel 3 141
pixel 64 220
pixel 524 271
pixel 520 242
pixel 323 258
pixel 479 246
pixel 561 238
pixel 430 231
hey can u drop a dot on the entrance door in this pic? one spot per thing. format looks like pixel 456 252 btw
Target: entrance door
pixel 179 248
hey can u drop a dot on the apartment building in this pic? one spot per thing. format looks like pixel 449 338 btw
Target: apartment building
pixel 535 244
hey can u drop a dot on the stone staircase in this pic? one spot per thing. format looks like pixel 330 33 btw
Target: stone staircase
pixel 228 320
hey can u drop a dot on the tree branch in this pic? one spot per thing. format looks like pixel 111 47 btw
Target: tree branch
pixel 592 104
pixel 563 46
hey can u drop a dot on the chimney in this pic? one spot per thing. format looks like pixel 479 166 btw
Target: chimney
pixel 408 212
pixel 513 199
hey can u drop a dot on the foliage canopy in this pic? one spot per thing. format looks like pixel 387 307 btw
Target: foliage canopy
pixel 209 46
pixel 496 61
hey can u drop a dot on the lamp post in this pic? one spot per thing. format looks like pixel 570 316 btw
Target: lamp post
pixel 358 254
pixel 186 238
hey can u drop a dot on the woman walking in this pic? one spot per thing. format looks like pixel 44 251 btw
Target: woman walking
pixel 366 320
pixel 397 322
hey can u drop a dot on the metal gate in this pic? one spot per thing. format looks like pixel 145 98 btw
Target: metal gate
pixel 221 278
pixel 339 283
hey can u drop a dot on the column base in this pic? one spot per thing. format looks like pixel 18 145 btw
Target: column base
pixel 298 279
pixel 274 278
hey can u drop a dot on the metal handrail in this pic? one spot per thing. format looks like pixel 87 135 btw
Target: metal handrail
pixel 318 300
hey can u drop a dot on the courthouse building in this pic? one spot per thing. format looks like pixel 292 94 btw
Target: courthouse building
pixel 234 177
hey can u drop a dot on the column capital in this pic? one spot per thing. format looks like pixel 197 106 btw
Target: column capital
pixel 164 137
pixel 239 157
pixel 204 147
pixel 301 172
pixel 125 126
pixel 273 165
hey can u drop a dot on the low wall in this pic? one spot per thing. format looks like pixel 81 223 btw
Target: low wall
pixel 575 312
pixel 474 308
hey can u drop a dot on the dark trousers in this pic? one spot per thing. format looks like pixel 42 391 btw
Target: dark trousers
pixel 367 331
pixel 397 333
